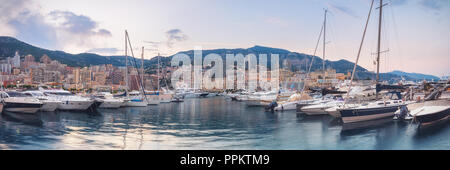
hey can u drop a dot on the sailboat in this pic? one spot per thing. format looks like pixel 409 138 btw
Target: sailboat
pixel 134 98
pixel 380 108
pixel 157 97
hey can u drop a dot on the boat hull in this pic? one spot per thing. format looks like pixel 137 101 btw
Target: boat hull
pixel 136 104
pixel 432 118
pixel 286 106
pixel 50 106
pixel 315 111
pixel 333 112
pixel 22 107
pixel 111 104
pixel 75 105
pixel 358 115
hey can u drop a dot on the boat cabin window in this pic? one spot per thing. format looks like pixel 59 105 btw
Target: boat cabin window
pixel 17 94
pixel 59 93
pixel 35 93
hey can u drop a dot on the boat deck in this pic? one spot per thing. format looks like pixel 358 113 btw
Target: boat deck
pixel 441 102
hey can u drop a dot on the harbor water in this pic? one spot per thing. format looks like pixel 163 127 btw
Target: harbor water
pixel 210 123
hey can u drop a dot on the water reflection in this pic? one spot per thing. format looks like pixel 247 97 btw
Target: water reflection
pixel 212 123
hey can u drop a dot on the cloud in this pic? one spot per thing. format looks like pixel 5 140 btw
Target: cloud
pixel 341 9
pixel 32 28
pixel 175 35
pixel 60 30
pixel 433 4
pixel 77 24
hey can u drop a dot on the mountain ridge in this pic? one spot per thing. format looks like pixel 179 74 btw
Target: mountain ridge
pixel 293 61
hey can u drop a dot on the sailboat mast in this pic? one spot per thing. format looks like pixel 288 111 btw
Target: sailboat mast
pixel 142 66
pixel 379 45
pixel 158 72
pixel 126 63
pixel 359 51
pixel 323 53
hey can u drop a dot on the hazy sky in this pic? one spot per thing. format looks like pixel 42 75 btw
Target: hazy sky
pixel 414 31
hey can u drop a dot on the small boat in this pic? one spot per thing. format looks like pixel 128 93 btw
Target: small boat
pixel 291 102
pixel 290 105
pixel 427 115
pixel 261 98
pixel 320 109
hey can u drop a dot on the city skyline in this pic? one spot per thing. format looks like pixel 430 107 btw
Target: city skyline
pixel 169 27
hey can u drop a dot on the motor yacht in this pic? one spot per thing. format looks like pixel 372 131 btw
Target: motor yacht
pixel 261 98
pixel 69 101
pixel 109 101
pixel 320 109
pixel 20 103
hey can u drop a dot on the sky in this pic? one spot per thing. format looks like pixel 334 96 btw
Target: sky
pixel 414 33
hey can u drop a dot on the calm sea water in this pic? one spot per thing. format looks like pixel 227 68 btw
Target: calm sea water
pixel 211 123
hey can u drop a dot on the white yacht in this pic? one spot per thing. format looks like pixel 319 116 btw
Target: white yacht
pixel 291 103
pixel 20 103
pixel 108 100
pixel 320 109
pixel 50 103
pixel 261 98
pixel 69 101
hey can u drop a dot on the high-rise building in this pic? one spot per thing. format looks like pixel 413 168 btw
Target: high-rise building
pixel 6 68
pixel 37 75
pixel 51 76
pixel 117 76
pixel 16 60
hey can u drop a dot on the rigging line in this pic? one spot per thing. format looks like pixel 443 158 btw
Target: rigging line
pixel 138 77
pixel 397 43
pixel 385 35
pixel 312 60
pixel 359 51
pixel 332 35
